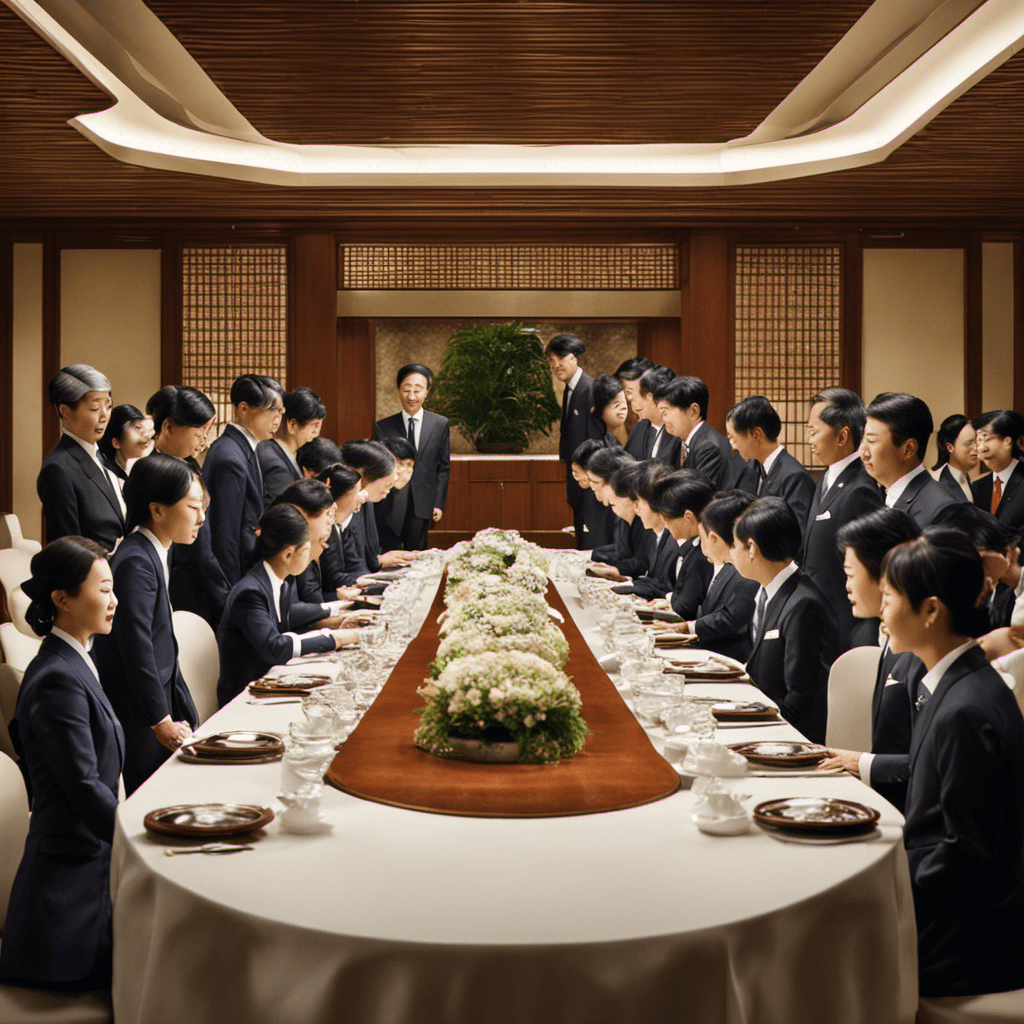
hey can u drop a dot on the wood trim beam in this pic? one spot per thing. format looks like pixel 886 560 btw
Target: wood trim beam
pixel 51 336
pixel 851 339
pixel 973 325
pixel 170 312
pixel 7 373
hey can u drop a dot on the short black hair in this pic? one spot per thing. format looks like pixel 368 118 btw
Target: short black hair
pixel 339 480
pixel 682 392
pixel 605 390
pixel 985 532
pixel 773 526
pixel 1003 423
pixel 755 411
pixel 369 458
pixel 120 417
pixel 157 478
pixel 303 405
pixel 720 514
pixel 874 535
pixel 257 391
pixel 409 369
pixel 948 432
pixel 635 368
pixel 183 405
pixel 645 480
pixel 607 461
pixel 585 450
pixel 310 495
pixel 317 455
pixel 401 447
pixel 280 526
pixel 907 417
pixel 843 408
pixel 655 378
pixel 679 492
pixel 623 479
pixel 63 564
pixel 565 345
pixel 939 564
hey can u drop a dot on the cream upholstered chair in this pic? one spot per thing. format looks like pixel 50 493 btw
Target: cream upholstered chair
pixel 199 660
pixel 12 525
pixel 851 684
pixel 18 650
pixel 17 605
pixel 994 1008
pixel 15 568
pixel 13 827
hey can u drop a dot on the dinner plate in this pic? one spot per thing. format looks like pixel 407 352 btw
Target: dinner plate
pixel 297 683
pixel 235 743
pixel 209 819
pixel 734 710
pixel 190 758
pixel 781 753
pixel 685 659
pixel 669 641
pixel 816 815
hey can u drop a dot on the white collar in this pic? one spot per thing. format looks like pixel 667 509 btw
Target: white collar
pixel 771 589
pixel 931 679
pixel 1003 474
pixel 575 379
pixel 348 519
pixel 893 493
pixel 835 471
pixel 276 583
pixel 92 449
pixel 82 652
pixel 247 434
pixel 287 451
pixel 689 436
pixel 718 567
pixel 162 551
pixel 770 461
pixel 418 418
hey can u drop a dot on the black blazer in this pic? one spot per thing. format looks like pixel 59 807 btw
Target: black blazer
pixel 787 479
pixel 691 581
pixel 641 444
pixel 892 716
pixel 660 579
pixel 709 454
pixel 724 615
pixel 77 498
pixel 852 495
pixel 1001 608
pixel 1011 505
pixel 923 499
pixel 233 478
pixel 793 652
pixel 342 562
pixel 964 833
pixel 364 535
pixel 949 482
pixel 741 475
pixel 277 469
pixel 577 426
pixel 251 637
pixel 57 930
pixel 428 488
pixel 138 659
pixel 598 521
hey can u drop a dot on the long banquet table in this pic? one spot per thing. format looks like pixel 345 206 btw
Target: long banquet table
pixel 405 917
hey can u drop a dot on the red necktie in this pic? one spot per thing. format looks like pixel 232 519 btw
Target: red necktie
pixel 997 494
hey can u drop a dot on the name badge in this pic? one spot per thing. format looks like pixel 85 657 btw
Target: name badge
pixel 893 681
pixel 824 515
pixel 575 412
pixel 772 634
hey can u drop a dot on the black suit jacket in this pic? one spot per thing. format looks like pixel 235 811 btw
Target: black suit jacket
pixel 1001 609
pixel 892 717
pixel 852 495
pixel 71 746
pixel 577 426
pixel 964 833
pixel 691 582
pixel 947 481
pixel 277 469
pixel 724 615
pixel 660 579
pixel 1011 505
pixel 251 637
pixel 598 521
pixel 793 653
pixel 428 488
pixel 709 454
pixel 342 562
pixel 741 475
pixel 641 444
pixel 233 477
pixel 77 498
pixel 787 479
pixel 138 659
pixel 923 499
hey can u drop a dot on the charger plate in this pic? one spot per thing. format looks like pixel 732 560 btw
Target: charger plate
pixel 206 820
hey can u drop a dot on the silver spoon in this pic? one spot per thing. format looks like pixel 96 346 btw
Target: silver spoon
pixel 208 848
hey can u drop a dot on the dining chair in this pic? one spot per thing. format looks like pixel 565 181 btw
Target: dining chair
pixel 993 1008
pixel 15 568
pixel 17 607
pixel 199 660
pixel 16 539
pixel 13 827
pixel 851 684
pixel 17 648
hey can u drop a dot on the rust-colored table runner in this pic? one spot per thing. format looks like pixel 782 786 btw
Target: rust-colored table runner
pixel 617 768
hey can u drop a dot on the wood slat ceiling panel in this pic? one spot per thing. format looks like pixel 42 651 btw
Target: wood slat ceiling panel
pixel 968 162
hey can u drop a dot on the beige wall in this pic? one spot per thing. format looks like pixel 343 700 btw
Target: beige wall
pixel 110 317
pixel 27 397
pixel 997 325
pixel 914 327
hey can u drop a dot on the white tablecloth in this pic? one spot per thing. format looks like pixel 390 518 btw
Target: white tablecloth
pixel 401 917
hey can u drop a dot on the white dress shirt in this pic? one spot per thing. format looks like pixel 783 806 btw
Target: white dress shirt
pixel 276 584
pixel 1004 475
pixel 692 434
pixel 962 479
pixel 657 441
pixel 417 429
pixel 835 471
pixel 163 553
pixel 82 652
pixel 247 434
pixel 771 589
pixel 893 493
pixel 289 454
pixel 770 460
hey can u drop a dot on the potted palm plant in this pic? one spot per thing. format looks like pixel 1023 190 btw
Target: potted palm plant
pixel 494 385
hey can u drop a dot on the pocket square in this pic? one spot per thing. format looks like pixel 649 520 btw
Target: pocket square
pixel 893 681
pixel 772 634
pixel 824 515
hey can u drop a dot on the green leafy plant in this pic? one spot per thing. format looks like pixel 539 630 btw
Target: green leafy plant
pixel 494 385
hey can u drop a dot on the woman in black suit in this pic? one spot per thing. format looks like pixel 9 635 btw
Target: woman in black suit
pixel 343 563
pixel 129 436
pixel 57 932
pixel 138 662
pixel 964 832
pixel 609 412
pixel 253 634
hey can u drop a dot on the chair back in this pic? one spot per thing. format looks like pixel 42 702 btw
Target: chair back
pixel 13 827
pixel 15 568
pixel 199 660
pixel 851 685
pixel 17 605
pixel 17 649
pixel 10 684
pixel 12 537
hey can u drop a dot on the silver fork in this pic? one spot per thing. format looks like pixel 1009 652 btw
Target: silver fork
pixel 207 848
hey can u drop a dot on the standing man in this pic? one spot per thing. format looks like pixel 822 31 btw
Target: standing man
pixel 421 503
pixel 563 352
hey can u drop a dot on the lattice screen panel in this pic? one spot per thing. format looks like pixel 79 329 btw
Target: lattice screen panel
pixel 508 267
pixel 788 307
pixel 234 318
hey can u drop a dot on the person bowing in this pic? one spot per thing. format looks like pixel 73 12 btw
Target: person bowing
pixel 301 422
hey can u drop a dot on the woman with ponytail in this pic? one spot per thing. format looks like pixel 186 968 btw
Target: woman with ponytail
pixel 253 633
pixel 138 661
pixel 964 831
pixel 57 932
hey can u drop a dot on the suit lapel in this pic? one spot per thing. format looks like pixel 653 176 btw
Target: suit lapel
pixel 1012 485
pixel 909 495
pixel 263 582
pixel 968 662
pixel 773 611
pixel 846 478
pixel 97 476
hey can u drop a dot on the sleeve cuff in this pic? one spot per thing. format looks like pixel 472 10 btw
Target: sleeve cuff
pixel 864 764
pixel 296 643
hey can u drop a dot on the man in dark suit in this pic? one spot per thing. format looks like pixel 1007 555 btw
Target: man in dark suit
pixel 794 634
pixel 232 473
pixel 845 492
pixel 753 427
pixel 302 419
pixel 563 352
pixel 78 493
pixel 649 438
pixel 413 508
pixel 1001 490
pixel 896 435
pixel 683 403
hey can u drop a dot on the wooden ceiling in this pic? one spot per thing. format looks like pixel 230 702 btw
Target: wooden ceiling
pixel 328 71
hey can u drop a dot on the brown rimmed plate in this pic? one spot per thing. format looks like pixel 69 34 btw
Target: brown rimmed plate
pixel 781 753
pixel 816 815
pixel 235 743
pixel 668 641
pixel 202 821
pixel 184 755
pixel 298 683
pixel 734 710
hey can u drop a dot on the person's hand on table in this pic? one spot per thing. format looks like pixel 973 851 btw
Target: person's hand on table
pixel 603 570
pixel 349 593
pixel 848 760
pixel 344 637
pixel 364 581
pixel 658 604
pixel 172 734
pixel 331 622
pixel 437 515
pixel 352 619
pixel 393 559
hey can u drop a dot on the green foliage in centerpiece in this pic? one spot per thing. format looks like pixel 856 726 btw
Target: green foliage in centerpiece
pixel 495 386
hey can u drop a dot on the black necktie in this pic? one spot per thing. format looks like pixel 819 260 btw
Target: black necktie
pixel 566 398
pixel 760 477
pixel 412 432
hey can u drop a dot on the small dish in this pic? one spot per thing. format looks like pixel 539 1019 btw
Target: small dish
pixel 209 819
pixel 715 826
